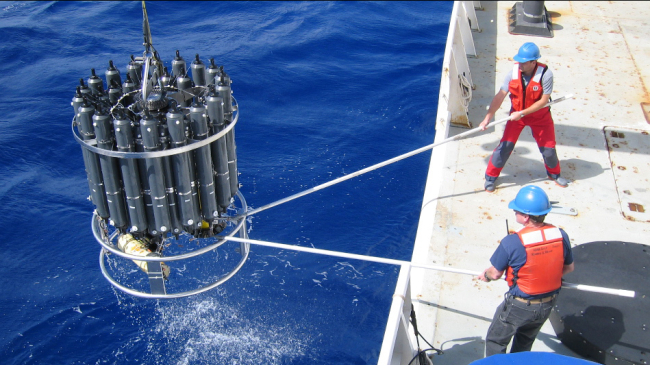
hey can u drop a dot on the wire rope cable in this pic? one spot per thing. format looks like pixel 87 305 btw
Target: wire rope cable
pixel 421 353
pixel 387 162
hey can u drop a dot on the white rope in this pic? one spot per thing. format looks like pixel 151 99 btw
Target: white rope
pixel 619 292
pixel 596 289
pixel 387 162
pixel 353 256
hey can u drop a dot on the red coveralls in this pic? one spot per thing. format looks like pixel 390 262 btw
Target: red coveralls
pixel 540 123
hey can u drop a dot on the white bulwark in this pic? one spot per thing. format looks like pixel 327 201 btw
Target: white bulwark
pixel 600 54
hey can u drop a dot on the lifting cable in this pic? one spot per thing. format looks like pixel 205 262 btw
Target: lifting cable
pixel 422 354
pixel 411 265
pixel 387 162
pixel 596 289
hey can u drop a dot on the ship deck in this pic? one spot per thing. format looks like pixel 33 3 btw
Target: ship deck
pixel 600 54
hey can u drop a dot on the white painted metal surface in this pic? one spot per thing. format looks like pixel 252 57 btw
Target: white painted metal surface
pixel 455 67
pixel 450 110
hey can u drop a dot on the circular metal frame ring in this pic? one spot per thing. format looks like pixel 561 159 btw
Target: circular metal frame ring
pixel 140 294
pixel 91 144
pixel 107 246
pixel 241 228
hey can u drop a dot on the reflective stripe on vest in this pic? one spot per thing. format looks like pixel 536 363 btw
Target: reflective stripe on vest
pixel 523 98
pixel 542 272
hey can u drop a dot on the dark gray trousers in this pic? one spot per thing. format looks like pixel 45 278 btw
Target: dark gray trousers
pixel 518 319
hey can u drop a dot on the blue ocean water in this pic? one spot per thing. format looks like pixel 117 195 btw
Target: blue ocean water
pixel 324 89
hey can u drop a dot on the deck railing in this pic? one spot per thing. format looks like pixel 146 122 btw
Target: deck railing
pixel 399 345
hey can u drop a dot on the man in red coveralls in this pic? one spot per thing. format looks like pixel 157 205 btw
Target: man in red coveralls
pixel 530 85
pixel 534 260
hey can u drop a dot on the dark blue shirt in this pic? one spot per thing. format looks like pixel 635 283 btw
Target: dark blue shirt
pixel 512 253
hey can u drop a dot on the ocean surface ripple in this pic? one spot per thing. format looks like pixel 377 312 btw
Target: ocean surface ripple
pixel 324 89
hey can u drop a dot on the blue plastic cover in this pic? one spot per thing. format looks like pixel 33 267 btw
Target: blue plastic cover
pixel 531 358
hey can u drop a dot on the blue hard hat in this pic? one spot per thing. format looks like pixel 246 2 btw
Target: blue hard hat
pixel 528 52
pixel 531 200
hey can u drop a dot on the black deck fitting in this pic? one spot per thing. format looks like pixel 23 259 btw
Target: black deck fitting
pixel 530 18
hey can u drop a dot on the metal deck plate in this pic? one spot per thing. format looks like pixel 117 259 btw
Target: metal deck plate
pixel 628 154
pixel 608 329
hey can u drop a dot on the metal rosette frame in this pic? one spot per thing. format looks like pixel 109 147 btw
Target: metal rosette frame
pixel 108 246
pixel 100 225
pixel 121 179
pixel 160 157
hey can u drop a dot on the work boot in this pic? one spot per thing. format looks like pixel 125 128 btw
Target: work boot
pixel 490 183
pixel 559 180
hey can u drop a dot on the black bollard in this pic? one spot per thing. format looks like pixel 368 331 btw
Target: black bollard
pixel 530 18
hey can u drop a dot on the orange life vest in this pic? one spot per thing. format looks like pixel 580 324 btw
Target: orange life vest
pixel 521 97
pixel 542 272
